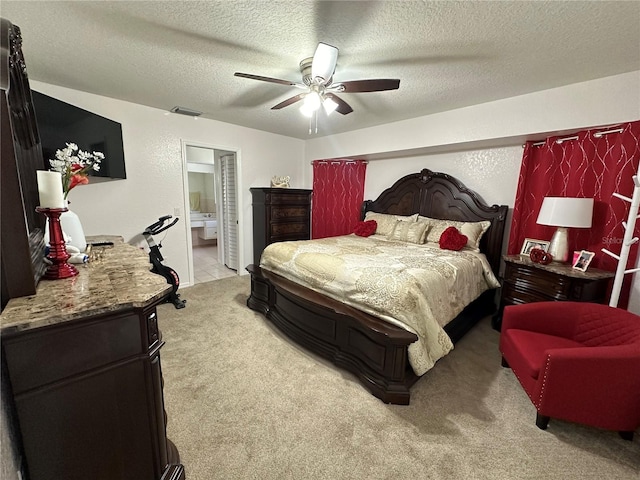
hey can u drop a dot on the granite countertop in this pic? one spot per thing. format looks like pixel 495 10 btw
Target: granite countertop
pixel 116 278
pixel 561 268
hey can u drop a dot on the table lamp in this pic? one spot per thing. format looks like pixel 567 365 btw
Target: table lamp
pixel 564 212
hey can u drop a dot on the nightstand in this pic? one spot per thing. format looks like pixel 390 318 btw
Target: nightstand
pixel 525 282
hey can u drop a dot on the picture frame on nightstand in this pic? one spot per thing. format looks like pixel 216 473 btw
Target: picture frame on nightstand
pixel 531 243
pixel 583 260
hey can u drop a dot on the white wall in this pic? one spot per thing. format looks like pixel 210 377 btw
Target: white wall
pixel 154 184
pixel 480 170
pixel 504 122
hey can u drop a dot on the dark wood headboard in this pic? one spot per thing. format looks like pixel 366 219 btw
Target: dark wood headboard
pixel 438 195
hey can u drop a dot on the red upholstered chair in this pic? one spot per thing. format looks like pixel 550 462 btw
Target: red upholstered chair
pixel 578 362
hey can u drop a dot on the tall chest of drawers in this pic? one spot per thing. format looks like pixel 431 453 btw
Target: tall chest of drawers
pixel 279 214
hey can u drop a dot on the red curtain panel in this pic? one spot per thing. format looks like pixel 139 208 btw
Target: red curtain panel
pixel 338 192
pixel 593 165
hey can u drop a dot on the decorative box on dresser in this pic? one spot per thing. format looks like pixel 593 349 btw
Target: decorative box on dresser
pixel 527 282
pixel 81 363
pixel 279 214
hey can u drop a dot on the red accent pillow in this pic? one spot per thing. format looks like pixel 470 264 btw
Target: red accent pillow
pixel 452 239
pixel 364 229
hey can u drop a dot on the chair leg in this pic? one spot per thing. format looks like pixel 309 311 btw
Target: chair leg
pixel 504 363
pixel 542 421
pixel 626 435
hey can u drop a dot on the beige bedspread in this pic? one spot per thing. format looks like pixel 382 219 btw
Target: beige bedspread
pixel 418 287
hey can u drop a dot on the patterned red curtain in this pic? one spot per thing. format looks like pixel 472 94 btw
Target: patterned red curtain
pixel 593 165
pixel 338 192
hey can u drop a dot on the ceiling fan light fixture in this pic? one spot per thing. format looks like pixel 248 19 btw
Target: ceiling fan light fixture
pixel 312 101
pixel 329 105
pixel 306 110
pixel 318 87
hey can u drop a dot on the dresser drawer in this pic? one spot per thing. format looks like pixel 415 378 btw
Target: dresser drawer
pixel 538 283
pixel 55 353
pixel 288 198
pixel 289 213
pixel 512 295
pixel 300 230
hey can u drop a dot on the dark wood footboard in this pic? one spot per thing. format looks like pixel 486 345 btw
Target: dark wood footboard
pixel 374 350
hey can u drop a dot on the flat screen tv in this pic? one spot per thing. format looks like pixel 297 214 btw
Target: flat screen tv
pixel 60 123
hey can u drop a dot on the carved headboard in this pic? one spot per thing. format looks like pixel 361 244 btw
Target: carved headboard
pixel 438 195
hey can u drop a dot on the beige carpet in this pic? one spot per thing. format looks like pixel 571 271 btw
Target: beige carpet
pixel 243 402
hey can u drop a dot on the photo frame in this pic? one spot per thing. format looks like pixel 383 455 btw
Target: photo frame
pixel 583 260
pixel 530 243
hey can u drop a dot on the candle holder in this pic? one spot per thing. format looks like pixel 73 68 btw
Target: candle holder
pixel 58 255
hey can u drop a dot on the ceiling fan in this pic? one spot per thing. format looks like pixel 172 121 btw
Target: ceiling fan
pixel 317 81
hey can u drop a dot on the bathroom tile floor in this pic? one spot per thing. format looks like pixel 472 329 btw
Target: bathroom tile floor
pixel 206 266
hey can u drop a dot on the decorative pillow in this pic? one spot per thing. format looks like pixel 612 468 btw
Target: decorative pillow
pixel 412 232
pixel 387 222
pixel 473 230
pixel 452 239
pixel 365 229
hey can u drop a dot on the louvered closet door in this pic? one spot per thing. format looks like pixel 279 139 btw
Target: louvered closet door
pixel 230 211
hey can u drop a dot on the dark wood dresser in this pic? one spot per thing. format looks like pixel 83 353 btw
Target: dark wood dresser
pixel 82 374
pixel 526 282
pixel 279 214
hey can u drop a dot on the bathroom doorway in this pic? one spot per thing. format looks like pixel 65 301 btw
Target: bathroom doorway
pixel 212 212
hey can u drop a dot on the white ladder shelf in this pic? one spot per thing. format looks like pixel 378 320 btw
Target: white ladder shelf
pixel 627 241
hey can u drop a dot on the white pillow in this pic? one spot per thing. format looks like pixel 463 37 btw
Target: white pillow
pixel 473 230
pixel 412 232
pixel 387 222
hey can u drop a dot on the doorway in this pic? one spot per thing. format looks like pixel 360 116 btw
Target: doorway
pixel 211 206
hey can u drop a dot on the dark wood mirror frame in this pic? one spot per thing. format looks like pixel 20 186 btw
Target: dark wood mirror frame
pixel 21 228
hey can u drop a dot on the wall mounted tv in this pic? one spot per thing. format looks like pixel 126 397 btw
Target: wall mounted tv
pixel 60 123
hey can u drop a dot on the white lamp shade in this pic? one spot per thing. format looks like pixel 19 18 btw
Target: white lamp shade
pixel 312 101
pixel 566 212
pixel 329 105
pixel 306 110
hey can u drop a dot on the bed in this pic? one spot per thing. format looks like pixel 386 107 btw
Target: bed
pixel 377 351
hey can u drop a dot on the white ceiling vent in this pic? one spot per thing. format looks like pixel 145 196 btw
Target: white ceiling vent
pixel 186 111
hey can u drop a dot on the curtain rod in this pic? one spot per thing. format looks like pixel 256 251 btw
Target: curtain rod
pixel 606 132
pixel 575 137
pixel 338 161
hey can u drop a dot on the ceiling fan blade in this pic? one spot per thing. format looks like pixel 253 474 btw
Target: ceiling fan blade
pixel 289 101
pixel 324 62
pixel 343 107
pixel 377 85
pixel 264 79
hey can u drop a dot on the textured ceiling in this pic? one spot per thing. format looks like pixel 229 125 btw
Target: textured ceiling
pixel 446 54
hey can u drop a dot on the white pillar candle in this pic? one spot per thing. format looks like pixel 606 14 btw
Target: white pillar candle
pixel 50 189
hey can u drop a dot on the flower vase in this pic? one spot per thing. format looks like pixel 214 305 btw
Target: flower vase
pixel 72 227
